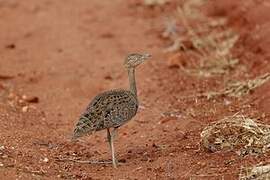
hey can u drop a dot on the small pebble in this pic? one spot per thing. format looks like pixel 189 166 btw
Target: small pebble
pixel 122 160
pixel 201 163
pixel 174 61
pixel 24 97
pixel 138 168
pixel 25 109
pixel 11 46
pixel 30 99
pixel 45 160
pixel 227 102
pixel 108 77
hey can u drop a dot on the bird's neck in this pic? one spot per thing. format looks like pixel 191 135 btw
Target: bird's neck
pixel 132 81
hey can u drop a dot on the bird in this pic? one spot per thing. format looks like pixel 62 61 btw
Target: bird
pixel 112 109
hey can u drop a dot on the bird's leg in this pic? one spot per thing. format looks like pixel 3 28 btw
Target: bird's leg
pixel 110 136
pixel 113 135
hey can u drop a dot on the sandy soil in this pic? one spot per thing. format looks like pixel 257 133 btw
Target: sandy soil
pixel 57 55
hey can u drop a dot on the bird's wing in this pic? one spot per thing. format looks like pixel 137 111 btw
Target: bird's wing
pixel 108 109
pixel 104 96
pixel 120 110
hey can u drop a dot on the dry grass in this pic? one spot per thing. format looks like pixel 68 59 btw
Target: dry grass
pixel 240 88
pixel 154 2
pixel 237 133
pixel 236 89
pixel 211 41
pixel 259 172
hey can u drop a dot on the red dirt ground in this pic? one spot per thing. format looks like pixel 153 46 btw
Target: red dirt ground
pixel 65 52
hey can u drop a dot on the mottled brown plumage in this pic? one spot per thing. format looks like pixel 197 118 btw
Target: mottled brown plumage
pixel 112 109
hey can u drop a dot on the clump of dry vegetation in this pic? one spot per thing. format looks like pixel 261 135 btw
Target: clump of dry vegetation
pixel 235 89
pixel 204 40
pixel 237 133
pixel 260 172
pixel 239 88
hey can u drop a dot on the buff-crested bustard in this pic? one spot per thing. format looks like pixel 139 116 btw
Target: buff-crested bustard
pixel 112 109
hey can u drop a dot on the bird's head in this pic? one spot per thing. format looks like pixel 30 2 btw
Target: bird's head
pixel 134 59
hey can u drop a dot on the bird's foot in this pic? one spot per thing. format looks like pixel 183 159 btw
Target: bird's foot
pixel 118 162
pixel 115 163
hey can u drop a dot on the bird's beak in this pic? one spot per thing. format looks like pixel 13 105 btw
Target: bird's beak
pixel 147 56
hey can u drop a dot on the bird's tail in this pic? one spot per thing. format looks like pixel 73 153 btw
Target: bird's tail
pixel 82 128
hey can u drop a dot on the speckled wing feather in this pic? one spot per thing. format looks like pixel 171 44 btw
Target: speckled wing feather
pixel 108 109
